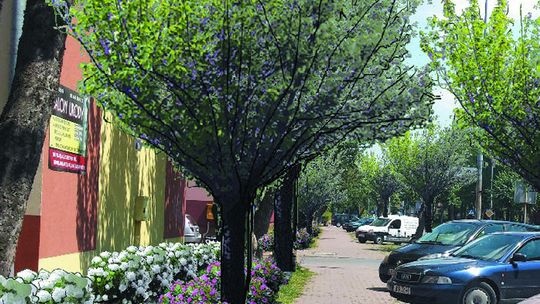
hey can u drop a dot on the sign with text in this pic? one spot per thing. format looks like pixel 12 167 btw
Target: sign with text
pixel 68 132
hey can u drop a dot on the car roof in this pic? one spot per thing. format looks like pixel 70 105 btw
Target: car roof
pixel 485 222
pixel 520 233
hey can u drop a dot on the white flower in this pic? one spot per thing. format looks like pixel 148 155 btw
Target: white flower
pixel 114 267
pixel 105 254
pixel 58 294
pixel 73 291
pixel 105 298
pixel 43 296
pixel 130 276
pixel 27 275
pixel 122 287
pixel 96 260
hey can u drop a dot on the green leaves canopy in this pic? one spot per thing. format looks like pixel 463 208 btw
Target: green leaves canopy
pixel 494 73
pixel 238 92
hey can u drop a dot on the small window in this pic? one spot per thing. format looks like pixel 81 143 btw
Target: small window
pixel 395 224
pixel 531 249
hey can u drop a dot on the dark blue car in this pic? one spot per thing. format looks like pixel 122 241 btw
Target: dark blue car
pixel 444 240
pixel 496 268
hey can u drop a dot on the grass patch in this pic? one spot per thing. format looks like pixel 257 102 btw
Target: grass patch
pixel 294 289
pixel 314 242
pixel 388 247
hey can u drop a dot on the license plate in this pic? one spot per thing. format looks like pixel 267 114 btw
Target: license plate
pixel 402 289
pixel 361 235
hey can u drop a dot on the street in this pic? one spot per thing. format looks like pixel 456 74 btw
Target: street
pixel 346 271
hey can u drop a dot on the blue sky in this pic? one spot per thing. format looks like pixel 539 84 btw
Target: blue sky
pixel 444 107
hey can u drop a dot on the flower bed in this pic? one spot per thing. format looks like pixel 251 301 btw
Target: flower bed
pixel 138 274
pixel 205 288
pixel 134 275
pixel 57 286
pixel 303 239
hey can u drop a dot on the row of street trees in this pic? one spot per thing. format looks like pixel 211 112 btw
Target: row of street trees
pixel 236 93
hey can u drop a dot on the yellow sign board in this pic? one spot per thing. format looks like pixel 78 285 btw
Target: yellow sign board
pixel 67 136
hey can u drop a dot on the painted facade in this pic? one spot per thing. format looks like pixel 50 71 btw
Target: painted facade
pixel 73 217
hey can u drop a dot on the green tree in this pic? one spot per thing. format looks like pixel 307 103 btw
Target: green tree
pixel 430 162
pixel 385 183
pixel 237 93
pixel 318 187
pixel 494 73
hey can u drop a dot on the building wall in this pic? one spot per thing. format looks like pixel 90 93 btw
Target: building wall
pixel 73 217
pixel 197 199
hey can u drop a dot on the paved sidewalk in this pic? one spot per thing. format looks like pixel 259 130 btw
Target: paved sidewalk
pixel 346 271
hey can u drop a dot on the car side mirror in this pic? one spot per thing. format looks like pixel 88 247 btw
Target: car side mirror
pixel 518 257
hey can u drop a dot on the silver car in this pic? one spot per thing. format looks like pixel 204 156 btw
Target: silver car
pixel 191 230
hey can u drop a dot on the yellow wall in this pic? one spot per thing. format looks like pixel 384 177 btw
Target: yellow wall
pixel 125 174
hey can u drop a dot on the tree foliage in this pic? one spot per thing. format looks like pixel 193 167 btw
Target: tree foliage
pixel 318 187
pixel 237 93
pixel 494 73
pixel 430 162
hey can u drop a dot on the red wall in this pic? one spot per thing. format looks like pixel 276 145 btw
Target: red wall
pixel 175 204
pixel 28 244
pixel 196 200
pixel 69 201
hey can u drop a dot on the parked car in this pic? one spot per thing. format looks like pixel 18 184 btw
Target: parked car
pixel 391 226
pixel 341 218
pixel 353 225
pixel 191 230
pixel 503 267
pixel 445 239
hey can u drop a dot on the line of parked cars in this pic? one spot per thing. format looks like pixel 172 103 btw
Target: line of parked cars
pixel 467 261
pixel 459 262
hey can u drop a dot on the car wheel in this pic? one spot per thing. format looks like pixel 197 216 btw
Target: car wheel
pixel 384 277
pixel 362 240
pixel 479 293
pixel 378 240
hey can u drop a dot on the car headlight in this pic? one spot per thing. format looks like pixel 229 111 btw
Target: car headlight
pixel 436 280
pixel 433 256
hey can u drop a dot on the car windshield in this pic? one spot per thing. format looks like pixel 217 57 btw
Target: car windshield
pixel 490 247
pixel 380 222
pixel 449 234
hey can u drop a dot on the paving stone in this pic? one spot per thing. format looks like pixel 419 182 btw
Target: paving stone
pixel 346 271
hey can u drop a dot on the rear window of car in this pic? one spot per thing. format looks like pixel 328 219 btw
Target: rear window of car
pixel 453 233
pixel 520 228
pixel 380 222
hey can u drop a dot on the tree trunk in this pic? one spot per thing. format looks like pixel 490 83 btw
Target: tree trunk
pixel 421 223
pixel 386 201
pixel 309 223
pixel 283 230
pixel 264 213
pixel 428 214
pixel 232 254
pixel 283 238
pixel 25 118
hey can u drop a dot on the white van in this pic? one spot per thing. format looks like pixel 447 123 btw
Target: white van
pixel 396 228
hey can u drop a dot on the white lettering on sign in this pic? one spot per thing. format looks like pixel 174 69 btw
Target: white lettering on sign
pixel 60 105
